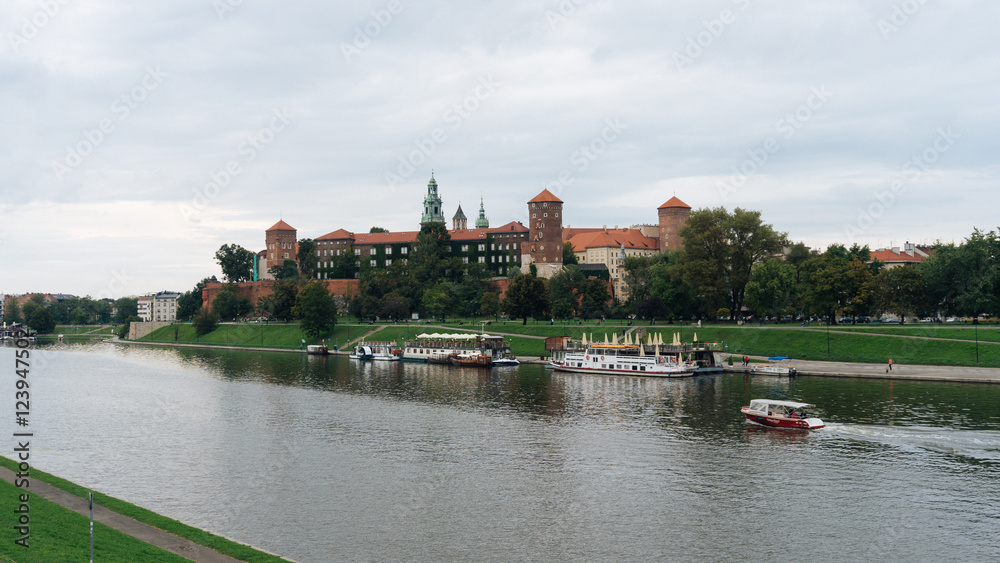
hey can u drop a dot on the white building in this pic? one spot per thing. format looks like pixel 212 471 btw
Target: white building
pixel 159 307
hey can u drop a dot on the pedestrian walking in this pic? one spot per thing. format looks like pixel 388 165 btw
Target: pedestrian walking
pixel 890 364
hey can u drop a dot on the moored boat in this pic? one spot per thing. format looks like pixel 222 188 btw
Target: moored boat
pixel 505 361
pixel 781 414
pixel 623 359
pixel 317 350
pixel 471 359
pixel 782 368
pixel 439 348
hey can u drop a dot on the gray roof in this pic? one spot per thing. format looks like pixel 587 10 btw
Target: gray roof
pixel 459 214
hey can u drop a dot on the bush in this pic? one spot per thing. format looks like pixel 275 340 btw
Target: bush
pixel 205 322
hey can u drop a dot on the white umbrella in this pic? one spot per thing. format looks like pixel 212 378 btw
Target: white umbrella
pixel 696 337
pixel 424 335
pixel 584 339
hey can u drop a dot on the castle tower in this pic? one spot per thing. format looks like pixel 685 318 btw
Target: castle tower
pixel 433 209
pixel 459 221
pixel 673 215
pixel 544 245
pixel 482 222
pixel 280 245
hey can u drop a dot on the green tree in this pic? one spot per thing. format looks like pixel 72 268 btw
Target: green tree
pixel 525 297
pixel 283 300
pixel 652 308
pixel 901 291
pixel 11 312
pixel 378 230
pixel 229 305
pixel 236 263
pixel 489 305
pixel 205 322
pixel 125 308
pixel 440 301
pixel 288 270
pixel 189 303
pixel 750 241
pixel 41 320
pixel 317 309
pixel 566 291
pixel 126 325
pixel 28 309
pixel 771 286
pixel 569 257
pixel 308 261
pixel 395 306
pixel 595 299
pixel 703 260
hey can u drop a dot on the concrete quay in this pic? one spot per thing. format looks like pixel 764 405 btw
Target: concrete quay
pixel 904 372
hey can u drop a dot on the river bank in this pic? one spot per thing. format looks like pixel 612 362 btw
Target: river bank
pixel 59 527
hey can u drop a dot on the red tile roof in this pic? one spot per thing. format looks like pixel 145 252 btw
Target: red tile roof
pixel 513 226
pixel 339 234
pixel 630 238
pixel 888 256
pixel 281 226
pixel 546 195
pixel 386 238
pixel 674 202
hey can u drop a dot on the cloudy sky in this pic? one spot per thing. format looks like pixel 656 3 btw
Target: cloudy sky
pixel 141 136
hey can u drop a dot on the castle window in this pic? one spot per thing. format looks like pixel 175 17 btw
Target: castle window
pixel 482 259
pixel 557 214
pixel 373 263
pixel 357 252
pixel 545 214
pixel 371 251
pixel 388 262
pixel 533 215
pixel 482 247
pixel 465 259
pixel 388 250
pixel 546 204
pixel 404 250
pixel 286 256
pixel 465 248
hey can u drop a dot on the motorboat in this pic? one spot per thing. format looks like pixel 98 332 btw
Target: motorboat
pixel 782 368
pixel 781 414
pixel 505 361
pixel 317 350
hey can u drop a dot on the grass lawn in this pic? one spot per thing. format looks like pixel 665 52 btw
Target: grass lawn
pixel 64 534
pixel 59 534
pixel 987 333
pixel 272 335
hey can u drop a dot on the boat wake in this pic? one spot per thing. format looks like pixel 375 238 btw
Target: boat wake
pixel 982 445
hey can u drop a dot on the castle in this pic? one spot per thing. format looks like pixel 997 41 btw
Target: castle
pixel 502 250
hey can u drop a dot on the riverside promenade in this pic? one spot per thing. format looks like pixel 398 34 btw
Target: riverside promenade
pixel 957 374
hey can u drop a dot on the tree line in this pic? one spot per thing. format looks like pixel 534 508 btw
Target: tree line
pixel 42 315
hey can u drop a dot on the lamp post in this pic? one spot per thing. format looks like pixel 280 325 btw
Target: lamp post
pixel 975 322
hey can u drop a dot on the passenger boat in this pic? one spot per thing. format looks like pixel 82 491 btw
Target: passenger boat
pixel 772 369
pixel 438 348
pixel 623 359
pixel 781 414
pixel 317 350
pixel 471 359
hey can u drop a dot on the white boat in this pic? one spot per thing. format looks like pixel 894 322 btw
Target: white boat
pixel 376 351
pixel 623 359
pixel 506 361
pixel 781 414
pixel 317 350
pixel 775 369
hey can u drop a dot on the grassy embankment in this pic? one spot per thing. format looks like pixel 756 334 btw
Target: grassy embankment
pixel 879 343
pixel 273 335
pixel 796 342
pixel 59 534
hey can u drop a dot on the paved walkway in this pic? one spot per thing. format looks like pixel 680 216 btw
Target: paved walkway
pixel 124 524
pixel 878 371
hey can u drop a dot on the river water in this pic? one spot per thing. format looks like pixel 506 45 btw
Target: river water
pixel 326 459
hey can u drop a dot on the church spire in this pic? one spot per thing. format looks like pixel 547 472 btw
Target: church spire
pixel 433 209
pixel 482 222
